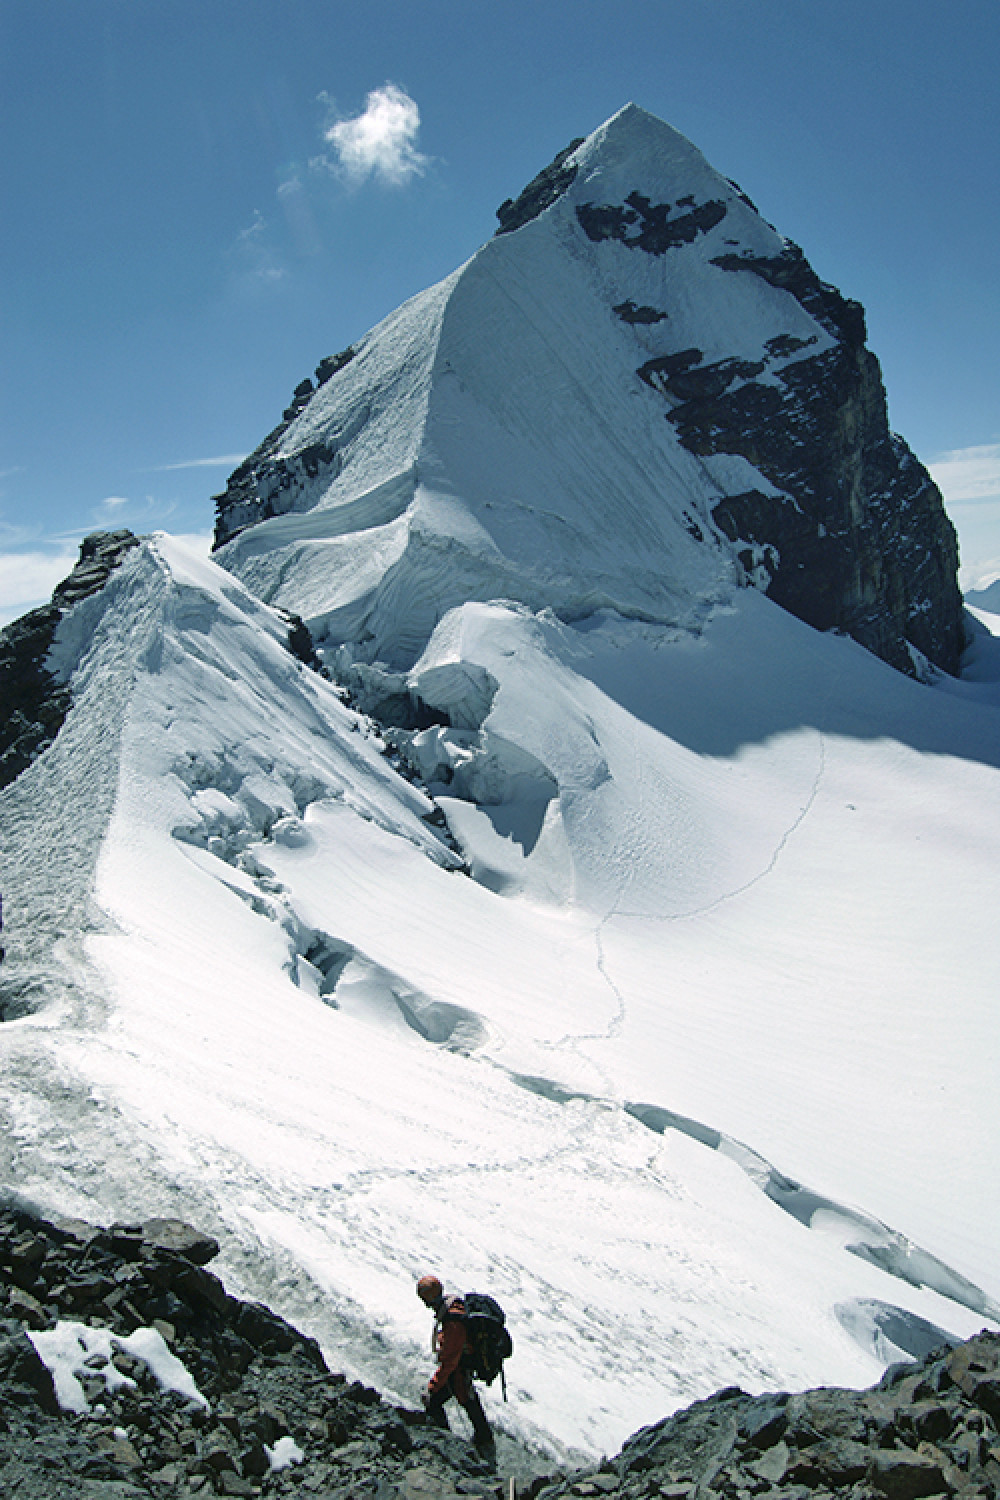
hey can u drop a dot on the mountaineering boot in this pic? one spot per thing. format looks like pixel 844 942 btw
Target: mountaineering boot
pixel 436 1414
pixel 486 1449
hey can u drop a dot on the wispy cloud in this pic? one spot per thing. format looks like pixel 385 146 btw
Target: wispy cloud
pixel 223 461
pixel 968 474
pixel 255 255
pixel 969 480
pixel 115 502
pixel 380 142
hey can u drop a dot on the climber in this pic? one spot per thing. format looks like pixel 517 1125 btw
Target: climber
pixel 449 1343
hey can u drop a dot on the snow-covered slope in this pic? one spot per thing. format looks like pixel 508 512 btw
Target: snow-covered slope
pixel 987 598
pixel 715 1005
pixel 608 939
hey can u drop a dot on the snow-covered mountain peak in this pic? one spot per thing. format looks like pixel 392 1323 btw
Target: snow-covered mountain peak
pixel 636 396
pixel 636 150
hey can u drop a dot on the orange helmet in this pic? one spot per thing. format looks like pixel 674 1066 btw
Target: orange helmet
pixel 429 1290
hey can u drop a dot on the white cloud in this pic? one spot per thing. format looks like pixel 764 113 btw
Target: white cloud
pixel 968 473
pixel 969 480
pixel 115 502
pixel 380 142
pixel 28 578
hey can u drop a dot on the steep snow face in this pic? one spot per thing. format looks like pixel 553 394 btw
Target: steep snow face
pixel 342 515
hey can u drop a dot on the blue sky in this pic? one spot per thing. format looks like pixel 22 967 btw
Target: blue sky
pixel 193 215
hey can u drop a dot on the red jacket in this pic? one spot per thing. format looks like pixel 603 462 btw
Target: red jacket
pixel 449 1339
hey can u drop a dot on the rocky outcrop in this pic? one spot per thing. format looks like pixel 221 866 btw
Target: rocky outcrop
pixel 34 703
pixel 266 483
pixel 630 312
pixel 854 535
pixel 100 554
pixel 654 227
pixel 926 1429
pixel 542 191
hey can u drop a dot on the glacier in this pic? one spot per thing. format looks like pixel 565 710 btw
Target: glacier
pixel 590 929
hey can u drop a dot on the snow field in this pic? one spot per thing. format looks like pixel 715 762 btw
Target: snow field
pixel 343 1146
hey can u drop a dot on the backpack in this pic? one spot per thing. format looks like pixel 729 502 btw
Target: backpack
pixel 489 1342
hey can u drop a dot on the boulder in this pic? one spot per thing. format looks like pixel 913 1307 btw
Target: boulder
pixel 23 1377
pixel 181 1239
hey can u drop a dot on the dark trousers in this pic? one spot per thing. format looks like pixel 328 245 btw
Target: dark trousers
pixel 461 1388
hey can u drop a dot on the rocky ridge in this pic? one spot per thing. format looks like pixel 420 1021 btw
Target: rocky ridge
pixel 269 1417
pixel 35 704
pixel 928 1428
pixel 266 482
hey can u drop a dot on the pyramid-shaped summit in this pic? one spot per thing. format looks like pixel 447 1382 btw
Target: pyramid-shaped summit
pixel 636 396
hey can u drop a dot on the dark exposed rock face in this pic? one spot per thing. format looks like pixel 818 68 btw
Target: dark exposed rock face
pixel 300 643
pixel 630 313
pixel 34 703
pixel 857 540
pixel 653 227
pixel 839 315
pixel 100 554
pixel 541 192
pixel 266 484
pixel 928 1428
